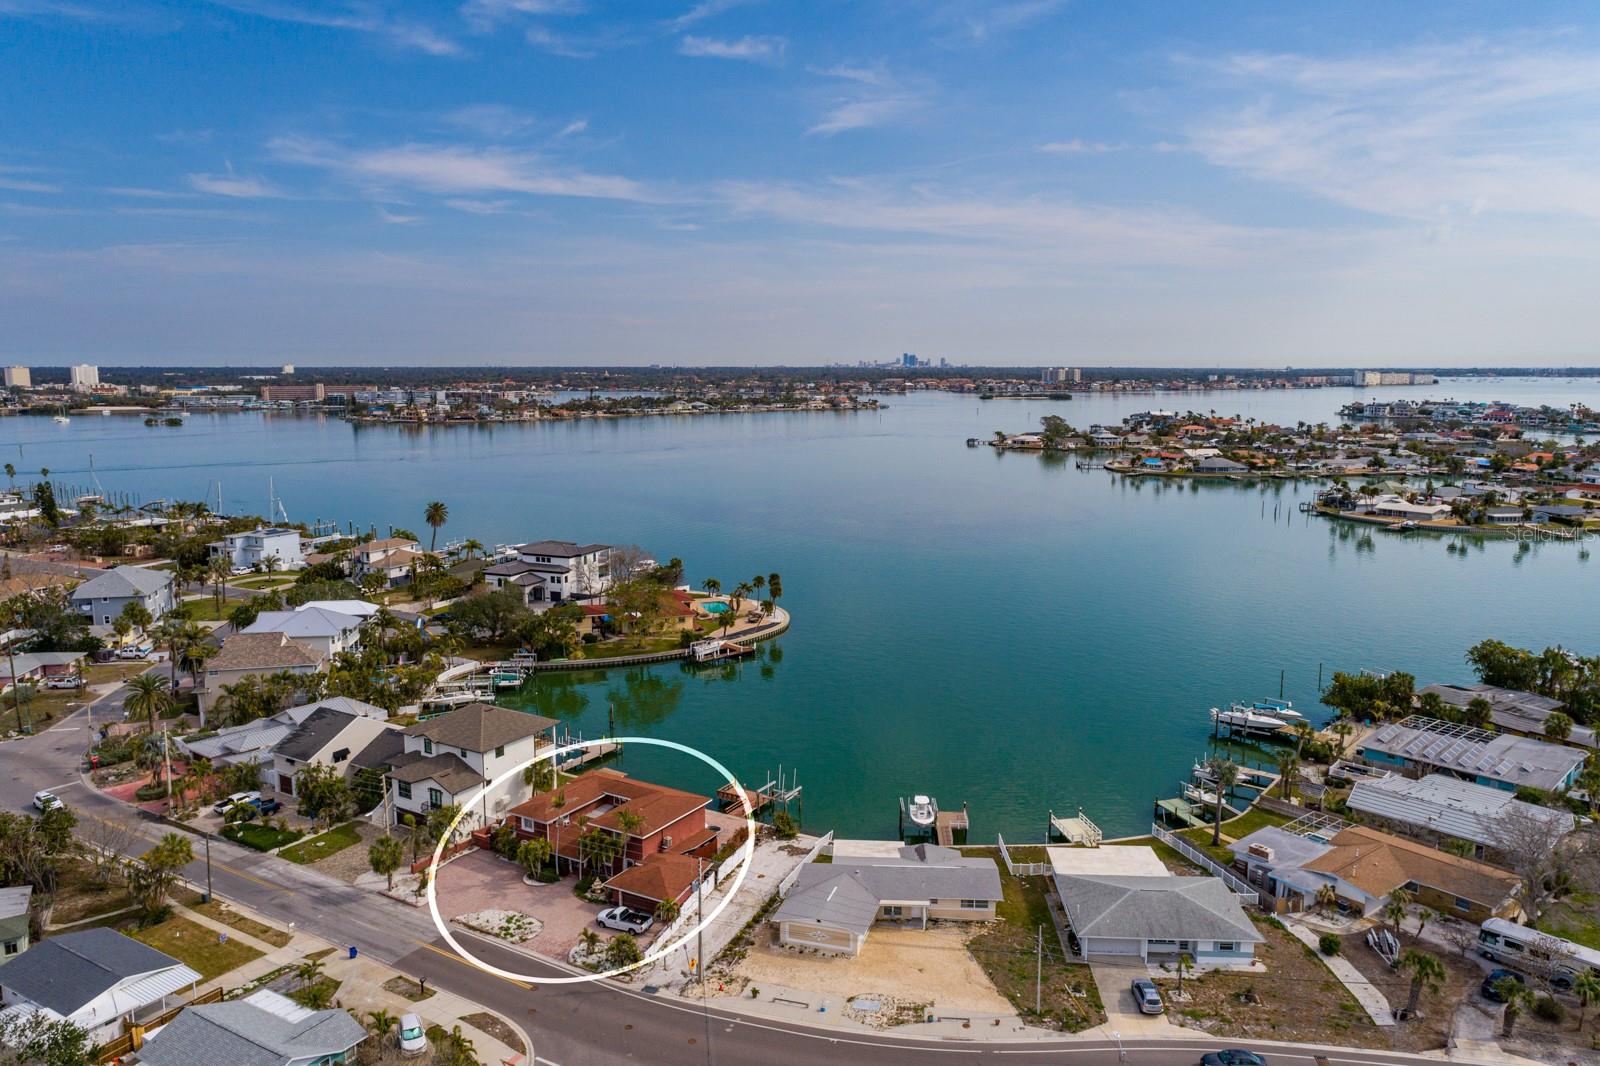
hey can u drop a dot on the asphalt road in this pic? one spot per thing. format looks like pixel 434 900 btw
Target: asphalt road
pixel 571 1025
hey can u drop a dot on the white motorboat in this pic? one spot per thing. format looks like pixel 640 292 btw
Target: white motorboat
pixel 923 811
pixel 1244 719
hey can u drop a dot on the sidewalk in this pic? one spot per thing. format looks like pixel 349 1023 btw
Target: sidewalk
pixel 1374 1002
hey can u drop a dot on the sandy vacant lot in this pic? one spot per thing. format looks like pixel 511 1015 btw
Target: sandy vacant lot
pixel 910 964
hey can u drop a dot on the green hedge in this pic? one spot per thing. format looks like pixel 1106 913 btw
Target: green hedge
pixel 260 837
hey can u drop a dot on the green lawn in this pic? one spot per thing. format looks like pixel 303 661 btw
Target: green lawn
pixel 205 609
pixel 1573 919
pixel 1236 828
pixel 260 837
pixel 324 844
pixel 218 911
pixel 193 944
pixel 613 649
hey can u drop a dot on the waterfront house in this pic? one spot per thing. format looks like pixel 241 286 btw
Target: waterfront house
pixel 660 856
pixel 263 1029
pixel 391 558
pixel 1122 903
pixel 96 979
pixel 104 596
pixel 548 572
pixel 444 759
pixel 833 906
pixel 244 654
pixel 255 547
pixel 1421 745
pixel 328 632
pixel 1218 464
pixel 327 736
pixel 1503 516
pixel 1512 710
pixel 1439 809
pixel 1365 866
pixel 1395 506
pixel 14 925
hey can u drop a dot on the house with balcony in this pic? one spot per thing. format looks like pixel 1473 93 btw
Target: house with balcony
pixel 104 596
pixel 253 548
pixel 662 839
pixel 548 572
pixel 391 558
pixel 443 760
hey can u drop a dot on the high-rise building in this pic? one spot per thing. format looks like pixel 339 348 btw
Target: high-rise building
pixel 908 359
pixel 84 377
pixel 18 377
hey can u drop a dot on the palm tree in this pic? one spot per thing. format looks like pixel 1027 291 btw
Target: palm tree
pixel 472 548
pixel 740 591
pixel 1225 774
pixel 1586 986
pixel 380 1023
pixel 1185 960
pixel 590 941
pixel 630 822
pixel 667 911
pixel 11 475
pixel 1424 969
pixel 598 848
pixel 149 697
pixel 1394 911
pixel 435 514
pixel 1514 994
pixel 385 856
pixel 758 583
pixel 1287 765
pixel 219 571
pixel 1424 916
pixel 712 585
pixel 308 972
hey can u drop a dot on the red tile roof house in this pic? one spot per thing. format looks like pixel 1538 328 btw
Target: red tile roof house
pixel 661 858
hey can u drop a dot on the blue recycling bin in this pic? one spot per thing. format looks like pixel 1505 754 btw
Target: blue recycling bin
pixel 352 951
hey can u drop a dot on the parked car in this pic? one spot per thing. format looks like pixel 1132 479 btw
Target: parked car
pixel 136 651
pixel 1146 996
pixel 222 805
pixel 45 800
pixel 268 806
pixel 625 919
pixel 1490 989
pixel 240 571
pixel 64 681
pixel 1233 1056
pixel 413 1039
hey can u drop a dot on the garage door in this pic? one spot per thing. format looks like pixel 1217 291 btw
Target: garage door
pixel 1099 945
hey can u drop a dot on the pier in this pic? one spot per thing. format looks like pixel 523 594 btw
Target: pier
pixel 768 797
pixel 1075 830
pixel 946 824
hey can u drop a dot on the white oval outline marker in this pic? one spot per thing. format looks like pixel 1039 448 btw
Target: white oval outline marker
pixel 748 849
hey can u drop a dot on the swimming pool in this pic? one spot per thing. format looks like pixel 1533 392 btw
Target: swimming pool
pixel 717 607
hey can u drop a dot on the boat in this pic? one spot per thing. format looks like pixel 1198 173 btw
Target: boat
pixel 923 811
pixel 1195 794
pixel 1247 720
pixel 1404 527
pixel 1280 709
pixel 507 678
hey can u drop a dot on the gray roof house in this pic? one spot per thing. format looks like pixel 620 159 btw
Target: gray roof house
pixel 263 1029
pixel 1512 709
pixel 95 979
pixel 1441 808
pixel 253 741
pixel 327 736
pixel 14 926
pixel 832 906
pixel 1498 760
pixel 104 596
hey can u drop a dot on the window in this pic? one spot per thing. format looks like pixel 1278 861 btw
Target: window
pixel 12 947
pixel 1411 887
pixel 527 824
pixel 404 789
pixel 341 755
pixel 435 798
pixel 1463 904
pixel 974 905
pixel 892 911
pixel 427 746
pixel 1226 945
pixel 500 752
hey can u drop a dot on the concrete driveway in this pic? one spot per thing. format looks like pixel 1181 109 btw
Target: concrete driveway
pixel 1114 979
pixel 482 880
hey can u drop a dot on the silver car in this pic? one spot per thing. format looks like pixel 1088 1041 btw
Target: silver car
pixel 413 1038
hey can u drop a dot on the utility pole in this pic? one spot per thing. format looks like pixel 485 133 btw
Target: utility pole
pixel 208 868
pixel 166 759
pixel 1038 971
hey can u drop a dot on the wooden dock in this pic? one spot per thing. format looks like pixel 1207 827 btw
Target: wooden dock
pixel 1076 830
pixel 947 823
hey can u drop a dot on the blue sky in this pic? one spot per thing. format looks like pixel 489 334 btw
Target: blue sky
pixel 1016 181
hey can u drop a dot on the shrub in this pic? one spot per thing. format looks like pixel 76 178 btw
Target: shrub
pixel 1548 1008
pixel 783 824
pixel 1328 944
pixel 151 791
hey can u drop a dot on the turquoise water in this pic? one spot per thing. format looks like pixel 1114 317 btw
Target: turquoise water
pixel 715 608
pixel 1002 629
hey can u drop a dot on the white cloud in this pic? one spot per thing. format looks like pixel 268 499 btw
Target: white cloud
pixel 876 74
pixel 456 169
pixel 231 185
pixel 485 14
pixel 863 114
pixel 1078 147
pixel 385 215
pixel 23 185
pixel 1425 133
pixel 479 207
pixel 751 49
pixel 874 97
pixel 704 10
pixel 490 120
pixel 573 128
pixel 356 17
pixel 976 22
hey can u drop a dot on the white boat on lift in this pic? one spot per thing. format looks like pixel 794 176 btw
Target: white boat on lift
pixel 1242 719
pixel 923 811
pixel 1280 709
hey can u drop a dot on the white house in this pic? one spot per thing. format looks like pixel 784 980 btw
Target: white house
pixel 103 596
pixel 1122 901
pixel 391 558
pixel 326 737
pixel 94 979
pixel 252 548
pixel 447 757
pixel 548 572
pixel 328 632
pixel 1392 506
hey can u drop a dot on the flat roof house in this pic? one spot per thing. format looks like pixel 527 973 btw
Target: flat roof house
pixel 660 857
pixel 104 596
pixel 252 548
pixel 263 1029
pixel 1511 709
pixel 1422 745
pixel 94 979
pixel 1365 866
pixel 833 906
pixel 1439 808
pixel 1122 902
pixel 446 758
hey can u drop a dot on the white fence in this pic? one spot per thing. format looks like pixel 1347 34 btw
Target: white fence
pixel 825 841
pixel 1206 862
pixel 1021 869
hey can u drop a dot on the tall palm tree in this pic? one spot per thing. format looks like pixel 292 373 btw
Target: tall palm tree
pixel 711 585
pixel 435 514
pixel 218 570
pixel 740 591
pixel 1424 969
pixel 472 548
pixel 148 698
pixel 1394 911
pixel 1586 986
pixel 1225 774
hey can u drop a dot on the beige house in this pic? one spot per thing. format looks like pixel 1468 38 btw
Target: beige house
pixel 244 654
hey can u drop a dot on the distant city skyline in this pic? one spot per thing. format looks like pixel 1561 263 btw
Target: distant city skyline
pixel 750 182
